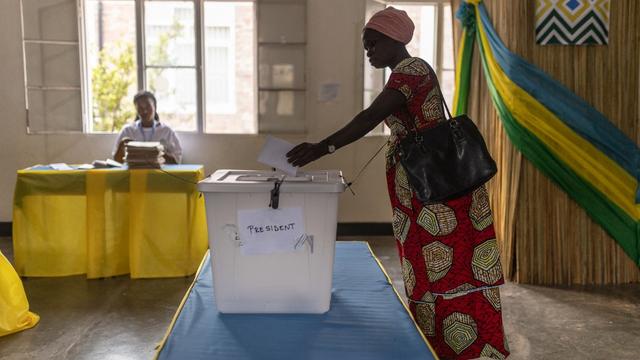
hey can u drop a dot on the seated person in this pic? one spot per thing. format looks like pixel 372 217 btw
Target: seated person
pixel 147 127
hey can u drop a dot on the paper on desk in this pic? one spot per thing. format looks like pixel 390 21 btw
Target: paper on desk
pixel 274 153
pixel 60 166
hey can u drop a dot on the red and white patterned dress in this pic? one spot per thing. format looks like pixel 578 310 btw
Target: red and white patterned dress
pixel 448 251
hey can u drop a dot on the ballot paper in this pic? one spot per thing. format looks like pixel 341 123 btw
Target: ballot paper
pixel 60 166
pixel 274 153
pixel 269 231
pixel 144 155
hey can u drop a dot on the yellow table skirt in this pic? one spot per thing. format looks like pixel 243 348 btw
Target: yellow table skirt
pixel 108 222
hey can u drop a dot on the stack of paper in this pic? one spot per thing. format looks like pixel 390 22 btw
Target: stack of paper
pixel 144 155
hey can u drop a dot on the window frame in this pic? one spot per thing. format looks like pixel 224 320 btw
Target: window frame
pixel 229 106
pixel 142 66
pixel 81 88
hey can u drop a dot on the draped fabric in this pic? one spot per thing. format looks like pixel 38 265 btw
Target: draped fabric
pixel 14 307
pixel 568 140
pixel 109 222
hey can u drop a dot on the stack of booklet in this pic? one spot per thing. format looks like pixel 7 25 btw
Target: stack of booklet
pixel 144 155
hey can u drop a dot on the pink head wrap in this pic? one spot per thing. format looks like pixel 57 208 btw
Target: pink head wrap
pixel 394 23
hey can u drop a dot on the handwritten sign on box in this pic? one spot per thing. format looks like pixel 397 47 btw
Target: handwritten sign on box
pixel 269 231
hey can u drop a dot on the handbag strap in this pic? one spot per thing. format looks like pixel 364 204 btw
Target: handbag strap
pixel 414 128
pixel 349 183
pixel 444 102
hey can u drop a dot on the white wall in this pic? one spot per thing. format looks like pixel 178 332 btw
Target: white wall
pixel 334 54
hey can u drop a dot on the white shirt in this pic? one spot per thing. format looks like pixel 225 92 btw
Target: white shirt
pixel 158 132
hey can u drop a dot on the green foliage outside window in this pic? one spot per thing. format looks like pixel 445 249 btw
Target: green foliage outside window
pixel 114 75
pixel 110 83
pixel 159 54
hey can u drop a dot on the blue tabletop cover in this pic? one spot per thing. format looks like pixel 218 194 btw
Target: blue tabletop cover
pixel 367 320
pixel 169 167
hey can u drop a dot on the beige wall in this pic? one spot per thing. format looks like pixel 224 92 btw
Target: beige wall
pixel 333 54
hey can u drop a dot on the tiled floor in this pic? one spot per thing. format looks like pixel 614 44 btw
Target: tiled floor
pixel 120 318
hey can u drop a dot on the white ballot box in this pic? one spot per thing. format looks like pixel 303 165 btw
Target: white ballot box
pixel 272 239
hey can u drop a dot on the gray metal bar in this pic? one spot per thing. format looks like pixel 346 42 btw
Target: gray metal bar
pixel 140 47
pixel 53 132
pixel 24 66
pixel 55 88
pixel 439 36
pixel 200 86
pixel 51 42
pixel 172 66
pixel 280 89
pixel 85 90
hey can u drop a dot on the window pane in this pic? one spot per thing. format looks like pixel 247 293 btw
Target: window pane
pixel 272 27
pixel 281 67
pixel 229 53
pixel 448 82
pixel 447 40
pixel 55 110
pixel 218 79
pixel 169 33
pixel 282 111
pixel 373 78
pixel 175 90
pixel 423 44
pixel 373 84
pixel 50 20
pixel 110 41
pixel 48 65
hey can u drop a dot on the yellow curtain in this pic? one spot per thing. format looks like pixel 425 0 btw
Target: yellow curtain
pixel 14 307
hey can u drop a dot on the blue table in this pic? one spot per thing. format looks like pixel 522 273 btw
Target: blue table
pixel 367 320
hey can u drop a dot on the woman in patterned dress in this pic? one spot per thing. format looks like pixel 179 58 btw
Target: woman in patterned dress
pixel 448 251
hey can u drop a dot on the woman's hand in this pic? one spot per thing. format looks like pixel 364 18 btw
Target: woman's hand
pixel 124 141
pixel 119 155
pixel 169 159
pixel 305 153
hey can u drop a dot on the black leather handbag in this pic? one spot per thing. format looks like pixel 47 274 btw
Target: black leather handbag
pixel 446 161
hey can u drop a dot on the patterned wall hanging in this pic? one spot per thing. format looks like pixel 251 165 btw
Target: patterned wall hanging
pixel 572 22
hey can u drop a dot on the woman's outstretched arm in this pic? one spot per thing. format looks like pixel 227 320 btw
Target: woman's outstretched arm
pixel 385 104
